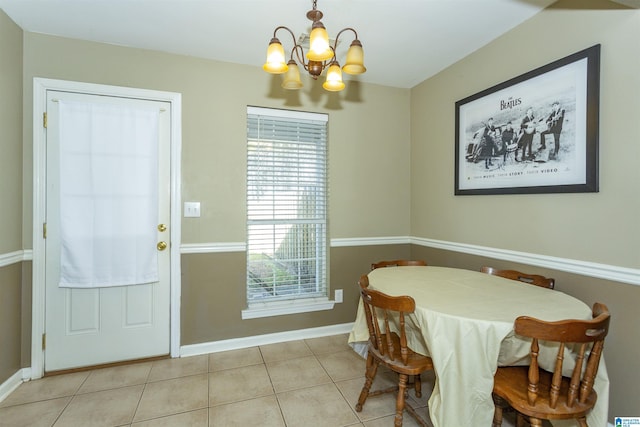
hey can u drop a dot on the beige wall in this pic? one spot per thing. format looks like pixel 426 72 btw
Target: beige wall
pixel 595 227
pixel 10 194
pixel 213 294
pixel 368 154
pixel 10 135
pixel 368 132
pixel 598 227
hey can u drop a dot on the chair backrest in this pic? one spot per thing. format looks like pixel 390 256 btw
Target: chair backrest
pixel 381 310
pixel 587 335
pixel 532 279
pixel 398 263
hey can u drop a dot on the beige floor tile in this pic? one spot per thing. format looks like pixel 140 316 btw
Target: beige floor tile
pixel 235 359
pixel 296 373
pixel 103 408
pixel 46 388
pixel 232 385
pixel 342 365
pixel 428 382
pixel 179 367
pixel 407 421
pixel 173 396
pixel 376 406
pixel 198 418
pixel 329 344
pixel 36 414
pixel 329 408
pixel 115 377
pixel 284 351
pixel 263 412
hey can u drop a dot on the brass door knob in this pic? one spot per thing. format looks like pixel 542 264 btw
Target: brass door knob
pixel 161 246
pixel 162 227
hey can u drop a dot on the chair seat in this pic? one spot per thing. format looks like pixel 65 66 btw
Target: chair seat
pixel 416 362
pixel 510 383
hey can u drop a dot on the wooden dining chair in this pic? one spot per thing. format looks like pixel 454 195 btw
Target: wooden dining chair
pixel 389 348
pixel 532 279
pixel 542 395
pixel 398 263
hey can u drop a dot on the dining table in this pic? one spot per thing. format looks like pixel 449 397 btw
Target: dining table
pixel 464 321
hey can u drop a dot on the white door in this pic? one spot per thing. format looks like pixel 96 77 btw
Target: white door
pixel 90 326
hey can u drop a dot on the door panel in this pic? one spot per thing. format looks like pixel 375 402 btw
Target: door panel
pixel 86 327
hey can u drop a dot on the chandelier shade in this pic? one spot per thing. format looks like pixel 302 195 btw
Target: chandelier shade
pixel 355 59
pixel 275 58
pixel 334 81
pixel 319 49
pixel 292 77
pixel 319 56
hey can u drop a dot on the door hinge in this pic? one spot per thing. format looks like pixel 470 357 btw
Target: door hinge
pixel 44 230
pixel 44 120
pixel 44 341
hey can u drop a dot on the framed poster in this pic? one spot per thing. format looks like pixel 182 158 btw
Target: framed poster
pixel 535 133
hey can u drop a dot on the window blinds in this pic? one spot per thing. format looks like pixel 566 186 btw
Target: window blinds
pixel 286 205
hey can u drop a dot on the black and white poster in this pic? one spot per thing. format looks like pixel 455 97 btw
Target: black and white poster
pixel 536 133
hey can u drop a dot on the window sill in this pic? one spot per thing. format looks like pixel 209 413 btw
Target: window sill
pixel 287 307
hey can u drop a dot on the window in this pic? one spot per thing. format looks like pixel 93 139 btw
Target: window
pixel 286 206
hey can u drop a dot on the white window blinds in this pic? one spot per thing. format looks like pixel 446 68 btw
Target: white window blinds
pixel 286 205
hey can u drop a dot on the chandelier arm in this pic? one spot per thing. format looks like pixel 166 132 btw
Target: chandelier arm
pixel 335 44
pixel 282 27
pixel 300 55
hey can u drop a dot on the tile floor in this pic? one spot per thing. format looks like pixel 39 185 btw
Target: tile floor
pixel 313 382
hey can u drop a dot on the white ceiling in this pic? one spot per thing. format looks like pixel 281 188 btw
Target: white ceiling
pixel 405 41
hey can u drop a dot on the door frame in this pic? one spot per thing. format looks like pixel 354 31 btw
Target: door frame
pixel 40 88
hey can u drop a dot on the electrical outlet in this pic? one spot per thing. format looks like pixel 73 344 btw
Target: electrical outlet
pixel 338 295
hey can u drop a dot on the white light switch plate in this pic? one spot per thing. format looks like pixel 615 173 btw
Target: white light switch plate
pixel 338 295
pixel 192 209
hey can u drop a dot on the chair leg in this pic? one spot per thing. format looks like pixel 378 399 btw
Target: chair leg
pixel 402 388
pixel 417 385
pixel 583 422
pixel 535 422
pixel 370 374
pixel 520 420
pixel 497 416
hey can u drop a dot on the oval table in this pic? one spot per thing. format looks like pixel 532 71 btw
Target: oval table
pixel 464 321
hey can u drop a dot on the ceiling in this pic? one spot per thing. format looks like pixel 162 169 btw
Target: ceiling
pixel 405 41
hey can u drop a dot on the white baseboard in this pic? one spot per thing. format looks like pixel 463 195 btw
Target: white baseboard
pixel 12 383
pixel 246 342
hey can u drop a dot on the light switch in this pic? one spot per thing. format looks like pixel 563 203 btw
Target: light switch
pixel 192 209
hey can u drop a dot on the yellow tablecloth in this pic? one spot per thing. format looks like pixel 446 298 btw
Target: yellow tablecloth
pixel 464 321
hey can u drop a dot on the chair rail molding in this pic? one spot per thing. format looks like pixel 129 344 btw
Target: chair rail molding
pixel 14 257
pixel 584 268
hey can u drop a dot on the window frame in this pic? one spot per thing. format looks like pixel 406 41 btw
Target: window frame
pixel 297 303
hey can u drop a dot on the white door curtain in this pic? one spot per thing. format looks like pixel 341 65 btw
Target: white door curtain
pixel 108 195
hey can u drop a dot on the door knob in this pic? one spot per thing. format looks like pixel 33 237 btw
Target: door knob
pixel 162 227
pixel 161 246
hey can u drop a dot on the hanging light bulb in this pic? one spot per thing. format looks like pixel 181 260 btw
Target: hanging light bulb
pixel 275 58
pixel 334 81
pixel 292 78
pixel 319 49
pixel 355 59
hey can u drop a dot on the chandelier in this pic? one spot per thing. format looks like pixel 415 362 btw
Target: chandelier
pixel 320 55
